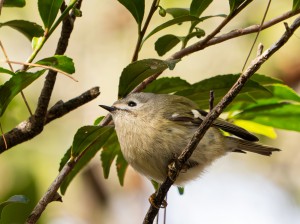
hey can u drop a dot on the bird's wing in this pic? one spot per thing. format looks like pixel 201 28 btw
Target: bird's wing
pixel 196 117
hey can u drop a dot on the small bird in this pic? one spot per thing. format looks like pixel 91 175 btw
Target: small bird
pixel 154 128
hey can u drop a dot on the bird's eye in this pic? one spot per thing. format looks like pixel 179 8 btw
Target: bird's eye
pixel 131 104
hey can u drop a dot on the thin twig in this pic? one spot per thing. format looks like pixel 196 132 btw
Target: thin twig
pixel 43 66
pixel 212 115
pixel 142 32
pixel 12 69
pixel 200 44
pixel 257 34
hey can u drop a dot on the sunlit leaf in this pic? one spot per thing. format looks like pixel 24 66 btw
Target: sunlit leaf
pixel 166 43
pixel 13 200
pixel 137 71
pixel 167 85
pixel 279 115
pixel 36 42
pixel 136 8
pixel 48 10
pixel 28 29
pixel 14 85
pixel 198 6
pixel 60 62
pixel 87 142
pixel 256 128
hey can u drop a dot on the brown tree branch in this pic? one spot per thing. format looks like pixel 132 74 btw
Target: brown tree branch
pixel 60 108
pixel 21 133
pixel 200 45
pixel 176 166
pixel 50 194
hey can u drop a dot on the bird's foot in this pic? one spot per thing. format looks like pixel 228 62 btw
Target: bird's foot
pixel 152 202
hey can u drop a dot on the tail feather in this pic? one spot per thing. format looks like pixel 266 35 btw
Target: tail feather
pixel 240 145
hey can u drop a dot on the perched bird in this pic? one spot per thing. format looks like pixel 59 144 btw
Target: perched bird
pixel 153 128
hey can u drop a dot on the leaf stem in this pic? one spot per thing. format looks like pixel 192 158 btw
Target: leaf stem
pixel 44 66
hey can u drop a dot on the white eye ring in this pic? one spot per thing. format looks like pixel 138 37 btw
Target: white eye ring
pixel 131 104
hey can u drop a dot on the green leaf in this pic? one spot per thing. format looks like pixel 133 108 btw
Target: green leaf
pixel 198 6
pixel 171 22
pixel 256 128
pixel 36 42
pixel 199 33
pixel 279 115
pixel 155 184
pixel 180 190
pixel 166 43
pixel 60 62
pixel 136 8
pixel 14 3
pixel 283 92
pixel 48 10
pixel 14 85
pixel 89 136
pixel 121 165
pixel 98 120
pixel 29 29
pixel 137 71
pixel 65 158
pixel 167 85
pixel 296 5
pixel 110 150
pixel 3 70
pixel 177 12
pixel 87 142
pixel 280 93
pixel 264 80
pixel 12 200
pixel 234 4
pixel 200 91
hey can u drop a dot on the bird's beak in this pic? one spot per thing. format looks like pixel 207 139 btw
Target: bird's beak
pixel 110 109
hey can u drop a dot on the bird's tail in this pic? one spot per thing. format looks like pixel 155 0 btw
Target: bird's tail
pixel 240 145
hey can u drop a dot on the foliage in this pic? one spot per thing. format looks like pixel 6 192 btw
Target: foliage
pixel 264 103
